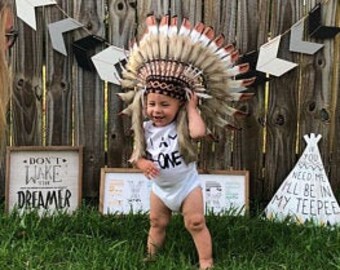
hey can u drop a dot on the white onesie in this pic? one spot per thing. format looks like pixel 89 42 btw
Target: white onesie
pixel 176 179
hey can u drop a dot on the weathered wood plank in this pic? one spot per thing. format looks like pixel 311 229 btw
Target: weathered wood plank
pixel 27 98
pixel 252 32
pixel 330 93
pixel 213 154
pixel 3 145
pixel 318 93
pixel 212 14
pixel 190 9
pixel 89 99
pixel 58 86
pixel 282 106
pixel 228 20
pixel 335 145
pixel 217 155
pixel 122 27
pixel 247 25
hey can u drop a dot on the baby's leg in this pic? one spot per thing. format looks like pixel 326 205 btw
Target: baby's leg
pixel 193 213
pixel 159 219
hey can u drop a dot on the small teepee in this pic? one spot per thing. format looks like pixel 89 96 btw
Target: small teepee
pixel 306 193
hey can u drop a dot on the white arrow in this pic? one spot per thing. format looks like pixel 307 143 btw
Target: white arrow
pixel 56 33
pixel 26 10
pixel 105 63
pixel 297 44
pixel 268 62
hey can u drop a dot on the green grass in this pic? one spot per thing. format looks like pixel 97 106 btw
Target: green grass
pixel 89 240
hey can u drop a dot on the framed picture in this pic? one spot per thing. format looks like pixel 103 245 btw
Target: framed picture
pixel 127 190
pixel 45 179
pixel 123 191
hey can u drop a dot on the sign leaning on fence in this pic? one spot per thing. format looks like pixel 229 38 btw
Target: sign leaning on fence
pixel 45 179
pixel 127 190
pixel 306 193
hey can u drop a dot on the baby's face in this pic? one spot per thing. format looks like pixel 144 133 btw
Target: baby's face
pixel 161 109
pixel 9 22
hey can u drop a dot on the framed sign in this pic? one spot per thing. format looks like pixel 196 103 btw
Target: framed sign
pixel 128 190
pixel 46 179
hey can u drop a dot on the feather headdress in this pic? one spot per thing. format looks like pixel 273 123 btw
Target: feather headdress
pixel 174 60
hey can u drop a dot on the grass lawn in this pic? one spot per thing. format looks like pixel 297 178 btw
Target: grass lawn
pixel 89 240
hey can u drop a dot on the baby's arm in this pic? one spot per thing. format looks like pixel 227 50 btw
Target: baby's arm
pixel 197 128
pixel 148 168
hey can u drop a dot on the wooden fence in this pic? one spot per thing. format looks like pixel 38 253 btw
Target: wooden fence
pixel 56 102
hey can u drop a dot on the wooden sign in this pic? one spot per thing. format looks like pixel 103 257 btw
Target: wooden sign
pixel 306 193
pixel 46 179
pixel 127 190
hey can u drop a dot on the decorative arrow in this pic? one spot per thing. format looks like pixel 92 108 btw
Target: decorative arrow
pixel 107 63
pixel 26 10
pixel 316 29
pixel 56 33
pixel 297 44
pixel 251 59
pixel 268 61
pixel 84 49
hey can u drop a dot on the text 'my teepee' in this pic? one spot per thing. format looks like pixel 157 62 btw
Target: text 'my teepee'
pixel 306 193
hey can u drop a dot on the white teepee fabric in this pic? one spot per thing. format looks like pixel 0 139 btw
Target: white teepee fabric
pixel 306 193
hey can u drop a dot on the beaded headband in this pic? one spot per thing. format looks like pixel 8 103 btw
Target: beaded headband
pixel 166 85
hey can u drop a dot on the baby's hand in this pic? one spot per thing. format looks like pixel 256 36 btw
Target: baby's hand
pixel 148 168
pixel 193 101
